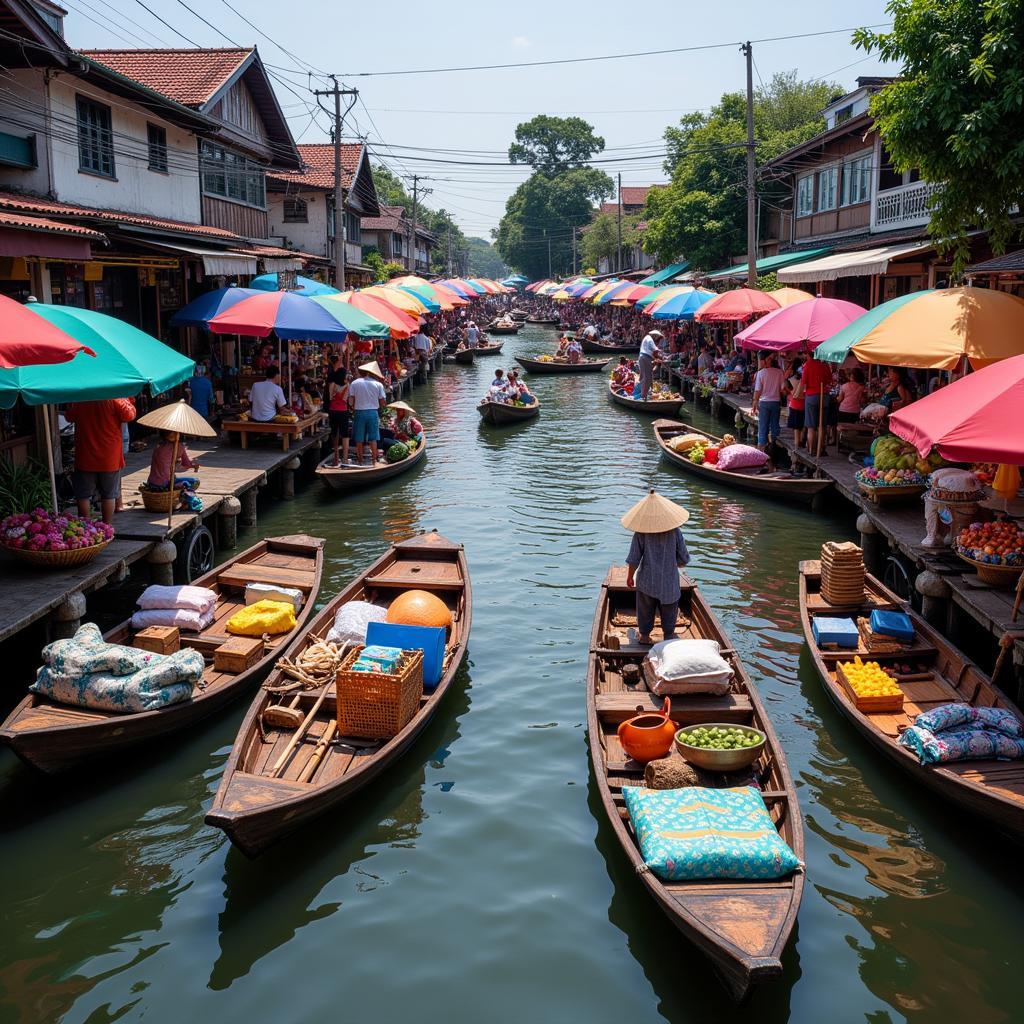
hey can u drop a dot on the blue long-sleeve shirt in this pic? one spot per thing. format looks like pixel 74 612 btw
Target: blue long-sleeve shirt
pixel 656 558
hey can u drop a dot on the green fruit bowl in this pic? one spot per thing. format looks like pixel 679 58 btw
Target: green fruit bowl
pixel 718 759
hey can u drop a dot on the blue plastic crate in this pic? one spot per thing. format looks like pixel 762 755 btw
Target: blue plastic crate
pixel 428 639
pixel 895 624
pixel 840 632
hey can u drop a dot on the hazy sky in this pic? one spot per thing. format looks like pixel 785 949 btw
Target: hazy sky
pixel 474 113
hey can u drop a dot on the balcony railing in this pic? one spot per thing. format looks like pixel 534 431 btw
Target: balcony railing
pixel 903 207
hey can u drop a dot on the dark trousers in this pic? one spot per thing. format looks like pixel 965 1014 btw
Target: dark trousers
pixel 647 607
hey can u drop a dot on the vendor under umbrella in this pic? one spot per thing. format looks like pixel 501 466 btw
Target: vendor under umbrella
pixel 657 553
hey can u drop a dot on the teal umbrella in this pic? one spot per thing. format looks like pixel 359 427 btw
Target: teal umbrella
pixel 126 361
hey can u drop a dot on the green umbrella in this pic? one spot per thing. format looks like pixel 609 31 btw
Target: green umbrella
pixel 126 361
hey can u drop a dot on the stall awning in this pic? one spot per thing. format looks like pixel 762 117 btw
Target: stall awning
pixel 274 264
pixel 768 264
pixel 862 263
pixel 215 261
pixel 667 274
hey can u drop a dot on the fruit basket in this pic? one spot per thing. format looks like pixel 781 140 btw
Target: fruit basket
pixel 720 758
pixel 995 550
pixel 54 541
pixel 892 486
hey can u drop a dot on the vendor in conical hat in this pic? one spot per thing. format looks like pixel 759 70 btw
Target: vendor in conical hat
pixel 655 557
pixel 406 424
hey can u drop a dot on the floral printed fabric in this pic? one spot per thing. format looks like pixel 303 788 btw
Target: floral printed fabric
pixel 972 741
pixel 692 833
pixel 88 672
pixel 947 716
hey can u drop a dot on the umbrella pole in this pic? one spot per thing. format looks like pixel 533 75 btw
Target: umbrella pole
pixel 49 458
pixel 821 417
pixel 174 474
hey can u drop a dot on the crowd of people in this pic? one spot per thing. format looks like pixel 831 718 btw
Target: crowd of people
pixel 509 388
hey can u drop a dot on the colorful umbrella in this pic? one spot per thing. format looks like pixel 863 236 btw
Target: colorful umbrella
pixel 738 304
pixel 491 287
pixel 975 419
pixel 407 302
pixel 800 325
pixel 402 325
pixel 790 296
pixel 203 309
pixel 461 288
pixel 594 292
pixel 660 294
pixel 577 288
pixel 934 329
pixel 631 295
pixel 456 298
pixel 292 316
pixel 682 306
pixel 304 285
pixel 409 280
pixel 29 341
pixel 471 287
pixel 427 296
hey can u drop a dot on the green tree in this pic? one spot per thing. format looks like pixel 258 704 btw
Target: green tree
pixel 484 260
pixel 554 144
pixel 600 238
pixel 951 112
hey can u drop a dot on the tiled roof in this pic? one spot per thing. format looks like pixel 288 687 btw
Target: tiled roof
pixel 390 219
pixel 30 204
pixel 1008 262
pixel 635 196
pixel 17 220
pixel 189 76
pixel 319 160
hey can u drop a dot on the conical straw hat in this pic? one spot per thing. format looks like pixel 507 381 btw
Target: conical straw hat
pixel 373 368
pixel 179 417
pixel 655 514
pixel 401 405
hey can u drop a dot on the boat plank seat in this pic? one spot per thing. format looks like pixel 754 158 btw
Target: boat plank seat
pixel 418 573
pixel 817 605
pixel 730 707
pixel 252 790
pixel 616 579
pixel 241 575
pixel 1005 776
pixel 750 919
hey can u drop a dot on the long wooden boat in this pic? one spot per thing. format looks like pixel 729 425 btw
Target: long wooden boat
pixel 991 790
pixel 551 366
pixel 782 485
pixel 500 413
pixel 742 926
pixel 53 737
pixel 488 350
pixel 344 478
pixel 464 356
pixel 495 328
pixel 655 406
pixel 519 315
pixel 256 807
pixel 544 321
pixel 608 347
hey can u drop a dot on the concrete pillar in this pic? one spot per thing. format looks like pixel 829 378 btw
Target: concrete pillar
pixel 161 562
pixel 716 404
pixel 935 593
pixel 247 499
pixel 67 617
pixel 288 477
pixel 871 543
pixel 227 520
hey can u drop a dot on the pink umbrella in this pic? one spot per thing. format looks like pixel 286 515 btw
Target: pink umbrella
pixel 790 328
pixel 739 304
pixel 975 419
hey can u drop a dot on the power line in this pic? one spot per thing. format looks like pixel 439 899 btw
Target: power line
pixel 167 24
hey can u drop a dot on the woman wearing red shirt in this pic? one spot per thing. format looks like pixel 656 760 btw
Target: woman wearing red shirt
pixel 99 454
pixel 817 378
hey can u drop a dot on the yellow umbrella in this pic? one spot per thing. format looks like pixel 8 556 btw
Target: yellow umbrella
pixel 408 281
pixel 790 296
pixel 561 295
pixel 407 302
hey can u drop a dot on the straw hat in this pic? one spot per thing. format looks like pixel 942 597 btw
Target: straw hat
pixel 373 369
pixel 656 332
pixel 179 417
pixel 654 514
pixel 403 406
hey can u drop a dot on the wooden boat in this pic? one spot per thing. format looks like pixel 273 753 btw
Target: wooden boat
pixel 551 366
pixel 991 790
pixel 742 926
pixel 344 479
pixel 608 347
pixel 519 315
pixel 760 481
pixel 544 321
pixel 488 350
pixel 464 356
pixel 496 328
pixel 500 413
pixel 657 407
pixel 254 806
pixel 53 737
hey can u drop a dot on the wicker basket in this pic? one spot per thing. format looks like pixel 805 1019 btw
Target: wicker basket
pixel 891 495
pixel 160 501
pixel 374 705
pixel 58 559
pixel 994 575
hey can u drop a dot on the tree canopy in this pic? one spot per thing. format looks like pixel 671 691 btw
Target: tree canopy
pixel 484 260
pixel 554 144
pixel 600 238
pixel 952 112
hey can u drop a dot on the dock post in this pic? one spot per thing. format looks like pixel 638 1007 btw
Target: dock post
pixel 935 593
pixel 871 544
pixel 247 518
pixel 288 477
pixel 67 617
pixel 161 562
pixel 716 404
pixel 227 518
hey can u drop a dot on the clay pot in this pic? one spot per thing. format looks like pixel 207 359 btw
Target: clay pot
pixel 648 735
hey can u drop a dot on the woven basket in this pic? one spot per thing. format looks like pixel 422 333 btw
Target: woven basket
pixel 994 575
pixel 160 501
pixel 892 495
pixel 58 559
pixel 376 706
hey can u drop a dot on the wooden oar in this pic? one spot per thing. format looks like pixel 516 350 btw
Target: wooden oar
pixel 318 751
pixel 299 733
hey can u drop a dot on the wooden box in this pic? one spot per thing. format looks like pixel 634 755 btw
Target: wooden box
pixel 868 705
pixel 238 654
pixel 158 639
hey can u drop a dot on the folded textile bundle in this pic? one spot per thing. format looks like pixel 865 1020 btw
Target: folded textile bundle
pixel 195 599
pixel 183 618
pixel 960 732
pixel 86 671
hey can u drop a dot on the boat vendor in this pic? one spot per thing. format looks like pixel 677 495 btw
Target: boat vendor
pixel 405 426
pixel 160 468
pixel 574 351
pixel 562 352
pixel 657 553
pixel 366 397
pixel 649 354
pixel 623 378
pixel 472 334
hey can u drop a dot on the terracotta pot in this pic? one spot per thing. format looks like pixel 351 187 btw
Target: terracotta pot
pixel 648 735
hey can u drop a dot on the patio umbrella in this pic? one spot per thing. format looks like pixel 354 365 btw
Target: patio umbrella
pixel 936 329
pixel 975 419
pixel 624 294
pixel 461 288
pixel 427 296
pixel 29 341
pixel 408 280
pixel 594 292
pixel 292 316
pixel 738 304
pixel 804 324
pixel 473 287
pixel 661 293
pixel 790 296
pixel 402 325
pixel 204 308
pixel 578 288
pixel 491 287
pixel 456 298
pixel 682 306
pixel 304 285
pixel 407 302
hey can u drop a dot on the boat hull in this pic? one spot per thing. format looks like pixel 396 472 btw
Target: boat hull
pixel 653 408
pixel 500 413
pixel 345 480
pixel 540 366
pixel 600 348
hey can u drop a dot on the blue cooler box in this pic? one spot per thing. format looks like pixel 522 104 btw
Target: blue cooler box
pixel 428 639
pixel 895 624
pixel 840 632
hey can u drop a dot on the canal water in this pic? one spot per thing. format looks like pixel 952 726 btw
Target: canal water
pixel 476 880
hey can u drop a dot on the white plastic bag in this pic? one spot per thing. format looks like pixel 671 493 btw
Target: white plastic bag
pixel 351 621
pixel 687 666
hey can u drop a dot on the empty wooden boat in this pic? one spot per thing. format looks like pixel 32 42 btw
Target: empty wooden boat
pixel 544 321
pixel 774 484
pixel 561 366
pixel 256 804
pixel 495 328
pixel 488 350
pixel 742 926
pixel 654 406
pixel 348 477
pixel 611 347
pixel 53 737
pixel 500 413
pixel 464 356
pixel 991 790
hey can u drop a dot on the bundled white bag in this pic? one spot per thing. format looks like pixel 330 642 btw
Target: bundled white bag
pixel 269 592
pixel 686 666
pixel 351 621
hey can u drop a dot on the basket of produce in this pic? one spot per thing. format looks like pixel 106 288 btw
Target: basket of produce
pixel 869 687
pixel 54 541
pixel 378 691
pixel 995 550
pixel 720 746
pixel 891 486
pixel 160 501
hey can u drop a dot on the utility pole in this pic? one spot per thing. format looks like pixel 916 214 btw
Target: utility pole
pixel 412 242
pixel 748 51
pixel 549 252
pixel 339 191
pixel 574 248
pixel 618 261
pixel 448 262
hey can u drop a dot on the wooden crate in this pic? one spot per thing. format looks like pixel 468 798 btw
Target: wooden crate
pixel 238 654
pixel 868 705
pixel 158 639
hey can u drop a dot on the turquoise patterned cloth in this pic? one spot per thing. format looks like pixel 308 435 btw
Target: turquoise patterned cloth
pixel 88 672
pixel 688 834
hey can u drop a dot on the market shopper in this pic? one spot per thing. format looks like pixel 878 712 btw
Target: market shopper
pixel 767 403
pixel 337 409
pixel 200 391
pixel 817 378
pixel 851 397
pixel 266 398
pixel 366 397
pixel 99 451
pixel 657 553
pixel 649 353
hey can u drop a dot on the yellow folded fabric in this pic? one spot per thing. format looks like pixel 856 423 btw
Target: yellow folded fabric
pixel 262 617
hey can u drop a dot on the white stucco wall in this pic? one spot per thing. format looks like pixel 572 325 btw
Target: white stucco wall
pixel 310 237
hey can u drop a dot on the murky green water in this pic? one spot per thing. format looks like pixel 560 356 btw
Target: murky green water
pixel 476 881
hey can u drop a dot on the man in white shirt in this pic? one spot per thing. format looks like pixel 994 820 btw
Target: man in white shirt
pixel 590 332
pixel 768 382
pixel 421 346
pixel 267 398
pixel 472 335
pixel 649 352
pixel 366 397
